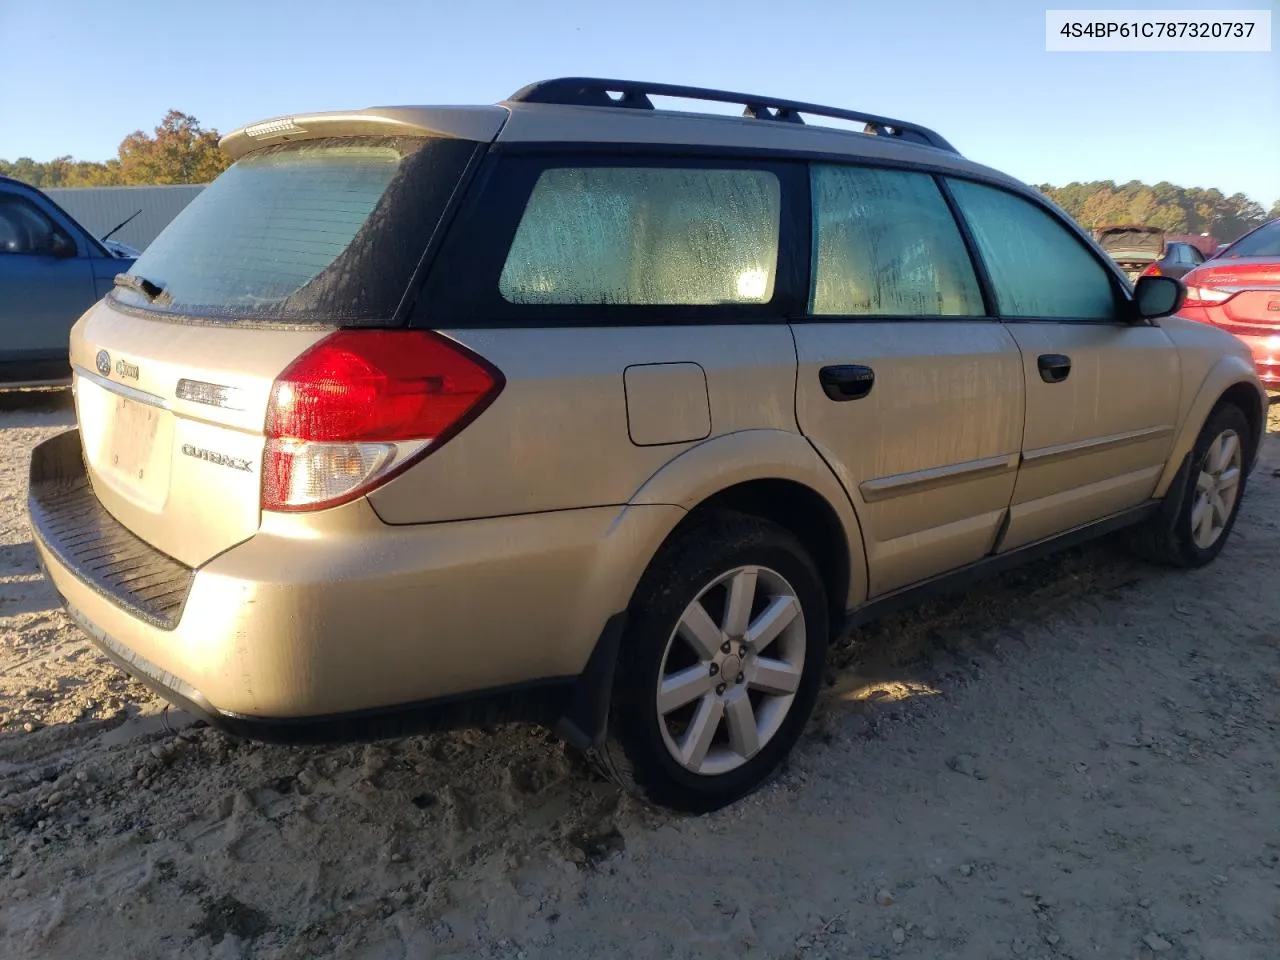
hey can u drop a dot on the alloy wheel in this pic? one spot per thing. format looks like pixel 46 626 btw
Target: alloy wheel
pixel 1217 487
pixel 731 670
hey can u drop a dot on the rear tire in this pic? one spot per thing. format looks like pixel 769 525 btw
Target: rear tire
pixel 720 665
pixel 1210 498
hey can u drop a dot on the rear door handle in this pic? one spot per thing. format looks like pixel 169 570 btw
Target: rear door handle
pixel 846 381
pixel 1054 367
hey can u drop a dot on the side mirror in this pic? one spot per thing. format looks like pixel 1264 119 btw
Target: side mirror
pixel 60 245
pixel 1157 297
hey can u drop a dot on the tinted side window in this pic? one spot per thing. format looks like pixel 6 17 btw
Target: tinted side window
pixel 1037 267
pixel 1263 242
pixel 885 244
pixel 23 228
pixel 646 236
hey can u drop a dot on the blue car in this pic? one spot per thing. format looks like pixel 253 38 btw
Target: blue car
pixel 51 270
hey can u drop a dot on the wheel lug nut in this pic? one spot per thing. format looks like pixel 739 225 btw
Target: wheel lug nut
pixel 742 677
pixel 726 647
pixel 720 688
pixel 715 668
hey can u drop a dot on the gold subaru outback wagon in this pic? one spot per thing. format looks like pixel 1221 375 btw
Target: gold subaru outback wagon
pixel 575 410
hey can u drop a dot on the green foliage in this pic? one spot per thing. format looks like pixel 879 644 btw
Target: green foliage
pixel 180 151
pixel 63 172
pixel 1172 208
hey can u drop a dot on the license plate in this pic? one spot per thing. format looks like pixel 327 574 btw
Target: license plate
pixel 133 437
pixel 127 445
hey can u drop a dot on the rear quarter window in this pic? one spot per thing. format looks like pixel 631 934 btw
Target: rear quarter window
pixel 629 236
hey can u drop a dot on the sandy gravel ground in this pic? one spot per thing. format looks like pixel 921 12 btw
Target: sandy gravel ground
pixel 1079 760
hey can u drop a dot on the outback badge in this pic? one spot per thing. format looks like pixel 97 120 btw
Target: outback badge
pixel 213 456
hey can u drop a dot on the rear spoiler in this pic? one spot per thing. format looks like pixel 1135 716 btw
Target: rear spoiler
pixel 480 123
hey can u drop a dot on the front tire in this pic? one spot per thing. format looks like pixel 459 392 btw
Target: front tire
pixel 1210 498
pixel 720 666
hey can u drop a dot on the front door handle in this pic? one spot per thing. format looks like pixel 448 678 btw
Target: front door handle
pixel 1054 367
pixel 846 381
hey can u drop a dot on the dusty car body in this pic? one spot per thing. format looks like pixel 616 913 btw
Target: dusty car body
pixel 613 417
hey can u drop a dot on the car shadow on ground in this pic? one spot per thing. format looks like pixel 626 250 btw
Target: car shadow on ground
pixel 201 834
pixel 236 821
pixel 912 653
pixel 37 407
pixel 25 594
pixel 877 668
pixel 905 656
pixel 23 588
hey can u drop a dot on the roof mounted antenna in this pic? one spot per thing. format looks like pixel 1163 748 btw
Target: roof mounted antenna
pixel 635 95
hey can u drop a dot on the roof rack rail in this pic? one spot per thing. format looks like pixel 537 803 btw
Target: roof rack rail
pixel 597 92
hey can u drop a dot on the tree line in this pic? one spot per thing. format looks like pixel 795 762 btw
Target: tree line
pixel 182 151
pixel 1174 209
pixel 179 151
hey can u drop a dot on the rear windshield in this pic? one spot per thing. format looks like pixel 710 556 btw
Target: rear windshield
pixel 1131 239
pixel 1263 242
pixel 321 231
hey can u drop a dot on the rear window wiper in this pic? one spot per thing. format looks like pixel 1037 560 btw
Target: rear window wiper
pixel 152 291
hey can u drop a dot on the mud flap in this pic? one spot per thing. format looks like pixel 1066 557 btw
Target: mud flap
pixel 586 714
pixel 1174 498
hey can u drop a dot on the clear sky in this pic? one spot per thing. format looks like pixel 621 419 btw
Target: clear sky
pixel 82 74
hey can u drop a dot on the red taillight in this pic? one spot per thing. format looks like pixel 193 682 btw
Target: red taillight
pixel 1206 297
pixel 1153 270
pixel 361 405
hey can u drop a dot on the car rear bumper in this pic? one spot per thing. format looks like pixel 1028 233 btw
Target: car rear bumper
pixel 1266 358
pixel 542 701
pixel 1259 335
pixel 340 626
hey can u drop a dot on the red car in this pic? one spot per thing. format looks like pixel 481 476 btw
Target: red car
pixel 1239 291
